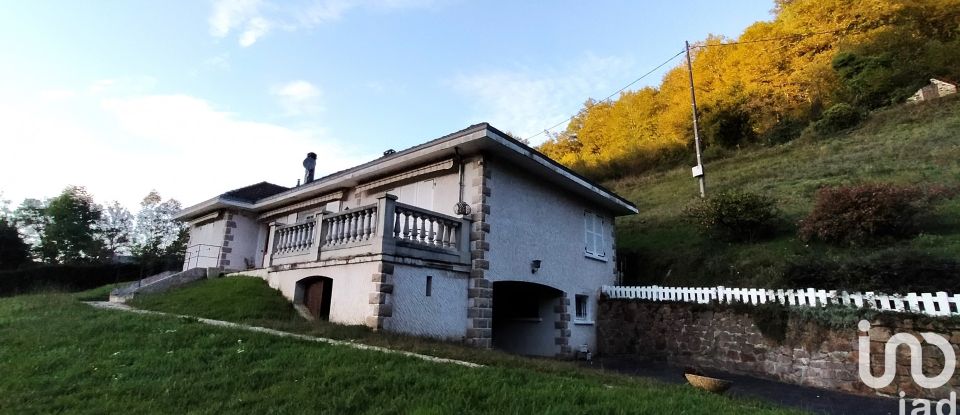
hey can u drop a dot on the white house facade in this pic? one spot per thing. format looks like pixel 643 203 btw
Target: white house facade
pixel 471 237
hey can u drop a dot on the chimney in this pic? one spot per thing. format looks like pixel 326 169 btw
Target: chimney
pixel 309 164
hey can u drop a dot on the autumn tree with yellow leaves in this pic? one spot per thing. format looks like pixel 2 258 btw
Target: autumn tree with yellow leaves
pixel 765 86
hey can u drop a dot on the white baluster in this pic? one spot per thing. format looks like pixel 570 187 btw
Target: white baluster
pixel 396 223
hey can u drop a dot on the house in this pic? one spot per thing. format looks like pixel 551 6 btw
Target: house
pixel 473 237
pixel 936 89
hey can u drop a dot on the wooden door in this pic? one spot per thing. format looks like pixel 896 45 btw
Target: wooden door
pixel 317 298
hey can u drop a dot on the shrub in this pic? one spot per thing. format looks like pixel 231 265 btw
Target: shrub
pixel 836 118
pixel 863 214
pixel 65 277
pixel 735 216
pixel 784 131
pixel 892 271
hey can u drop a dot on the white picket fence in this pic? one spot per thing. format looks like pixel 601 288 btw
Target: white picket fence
pixel 937 304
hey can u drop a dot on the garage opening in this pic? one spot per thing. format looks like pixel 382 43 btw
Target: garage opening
pixel 314 293
pixel 524 316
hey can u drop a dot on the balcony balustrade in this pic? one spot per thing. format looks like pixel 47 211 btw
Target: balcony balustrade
pixel 386 227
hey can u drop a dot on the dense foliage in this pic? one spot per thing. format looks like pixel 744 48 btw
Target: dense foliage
pixel 891 271
pixel 813 55
pixel 65 277
pixel 735 216
pixel 13 251
pixel 72 229
pixel 864 214
pixel 910 145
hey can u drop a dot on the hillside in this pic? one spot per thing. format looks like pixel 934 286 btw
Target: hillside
pixel 909 144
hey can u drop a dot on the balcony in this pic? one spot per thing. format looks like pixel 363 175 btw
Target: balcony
pixel 384 228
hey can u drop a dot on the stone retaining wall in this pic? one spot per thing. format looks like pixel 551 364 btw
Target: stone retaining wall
pixel 719 337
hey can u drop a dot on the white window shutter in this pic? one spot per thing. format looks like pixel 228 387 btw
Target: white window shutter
pixel 587 235
pixel 600 240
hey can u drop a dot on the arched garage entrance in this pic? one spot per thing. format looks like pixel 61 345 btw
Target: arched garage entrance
pixel 313 293
pixel 525 316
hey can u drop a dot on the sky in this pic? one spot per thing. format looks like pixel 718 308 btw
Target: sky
pixel 194 98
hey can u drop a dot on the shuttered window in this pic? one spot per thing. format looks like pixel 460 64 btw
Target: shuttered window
pixel 593 231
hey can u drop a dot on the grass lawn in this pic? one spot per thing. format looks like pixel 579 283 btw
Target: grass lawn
pixel 59 355
pixel 249 300
pixel 911 144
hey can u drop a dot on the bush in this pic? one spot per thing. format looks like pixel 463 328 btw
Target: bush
pixel 65 277
pixel 865 214
pixel 836 118
pixel 735 216
pixel 892 271
pixel 784 131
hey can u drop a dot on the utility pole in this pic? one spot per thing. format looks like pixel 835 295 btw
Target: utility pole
pixel 698 169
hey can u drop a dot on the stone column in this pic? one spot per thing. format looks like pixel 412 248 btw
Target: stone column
pixel 479 288
pixel 386 212
pixel 227 239
pixel 561 323
pixel 381 298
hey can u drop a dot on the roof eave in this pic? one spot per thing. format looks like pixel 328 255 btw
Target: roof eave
pixel 209 205
pixel 623 206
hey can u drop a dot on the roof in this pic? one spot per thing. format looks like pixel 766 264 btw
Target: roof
pixel 254 192
pixel 478 138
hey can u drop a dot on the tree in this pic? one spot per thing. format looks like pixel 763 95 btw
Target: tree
pixel 31 220
pixel 14 252
pixel 157 232
pixel 765 85
pixel 727 127
pixel 116 229
pixel 70 232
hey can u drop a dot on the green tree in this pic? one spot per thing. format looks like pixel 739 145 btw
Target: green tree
pixel 62 229
pixel 116 229
pixel 71 232
pixel 157 233
pixel 14 252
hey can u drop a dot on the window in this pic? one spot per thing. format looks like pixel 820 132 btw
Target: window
pixel 429 285
pixel 583 307
pixel 593 245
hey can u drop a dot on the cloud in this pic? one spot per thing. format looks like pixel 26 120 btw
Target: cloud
pixel 256 27
pixel 56 95
pixel 298 97
pixel 183 146
pixel 122 85
pixel 526 100
pixel 253 19
pixel 228 15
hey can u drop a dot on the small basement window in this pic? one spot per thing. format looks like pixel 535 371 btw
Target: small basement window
pixel 583 307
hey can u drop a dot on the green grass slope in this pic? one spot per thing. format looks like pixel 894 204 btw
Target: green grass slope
pixel 910 144
pixel 237 299
pixel 249 300
pixel 60 355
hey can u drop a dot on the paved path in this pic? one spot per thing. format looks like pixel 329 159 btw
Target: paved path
pixel 105 305
pixel 815 400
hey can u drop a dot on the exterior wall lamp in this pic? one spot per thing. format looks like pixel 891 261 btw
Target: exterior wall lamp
pixel 534 266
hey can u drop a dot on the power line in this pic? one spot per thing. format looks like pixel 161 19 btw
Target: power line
pixel 797 36
pixel 545 130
